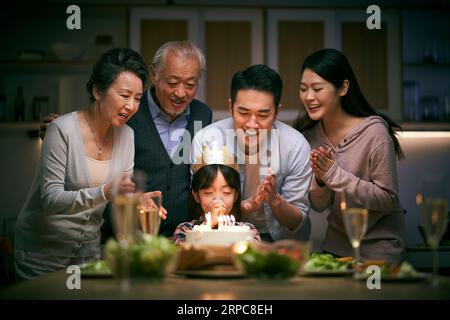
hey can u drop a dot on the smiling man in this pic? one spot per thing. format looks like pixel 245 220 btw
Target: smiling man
pixel 273 157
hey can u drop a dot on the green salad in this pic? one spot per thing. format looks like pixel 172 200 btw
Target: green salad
pixel 148 256
pixel 326 261
pixel 270 262
pixel 99 266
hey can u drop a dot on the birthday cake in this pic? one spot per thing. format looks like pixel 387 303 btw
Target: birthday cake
pixel 227 233
pixel 223 237
pixel 210 249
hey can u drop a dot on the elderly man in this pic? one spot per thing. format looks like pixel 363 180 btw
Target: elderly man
pixel 165 118
pixel 273 157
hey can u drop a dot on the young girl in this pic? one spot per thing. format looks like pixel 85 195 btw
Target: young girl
pixel 215 189
pixel 354 152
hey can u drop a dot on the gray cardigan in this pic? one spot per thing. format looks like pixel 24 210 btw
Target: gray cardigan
pixel 366 171
pixel 62 214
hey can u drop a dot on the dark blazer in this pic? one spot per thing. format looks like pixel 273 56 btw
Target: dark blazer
pixel 173 180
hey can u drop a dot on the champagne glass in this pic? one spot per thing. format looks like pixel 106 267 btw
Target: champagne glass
pixel 127 193
pixel 126 204
pixel 149 212
pixel 432 198
pixel 355 221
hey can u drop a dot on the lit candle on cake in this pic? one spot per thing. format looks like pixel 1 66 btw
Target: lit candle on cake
pixel 227 232
pixel 227 220
pixel 224 222
pixel 220 222
pixel 208 220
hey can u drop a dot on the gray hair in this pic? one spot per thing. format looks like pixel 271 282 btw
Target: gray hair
pixel 183 49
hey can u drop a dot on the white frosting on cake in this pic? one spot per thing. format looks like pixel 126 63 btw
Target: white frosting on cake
pixel 227 235
pixel 235 228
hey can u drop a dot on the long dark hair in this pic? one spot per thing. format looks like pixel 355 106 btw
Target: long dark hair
pixel 333 66
pixel 203 179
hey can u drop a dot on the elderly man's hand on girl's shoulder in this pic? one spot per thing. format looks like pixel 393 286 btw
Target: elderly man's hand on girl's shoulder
pixel 45 122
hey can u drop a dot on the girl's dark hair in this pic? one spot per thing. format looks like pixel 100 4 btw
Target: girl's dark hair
pixel 333 66
pixel 110 65
pixel 204 178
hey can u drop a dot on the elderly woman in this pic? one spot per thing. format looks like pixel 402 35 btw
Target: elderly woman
pixel 82 152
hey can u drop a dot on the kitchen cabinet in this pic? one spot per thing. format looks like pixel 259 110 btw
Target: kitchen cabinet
pixel 28 59
pixel 375 55
pixel 293 34
pixel 59 84
pixel 426 66
pixel 231 39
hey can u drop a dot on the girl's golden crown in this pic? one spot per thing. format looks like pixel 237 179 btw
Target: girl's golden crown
pixel 214 155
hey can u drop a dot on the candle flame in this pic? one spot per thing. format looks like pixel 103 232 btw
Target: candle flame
pixel 240 247
pixel 343 205
pixel 419 199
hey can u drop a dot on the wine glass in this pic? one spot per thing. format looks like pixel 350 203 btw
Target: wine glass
pixel 355 221
pixel 432 198
pixel 149 212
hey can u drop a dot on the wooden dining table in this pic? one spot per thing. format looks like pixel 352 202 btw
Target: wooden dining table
pixel 179 287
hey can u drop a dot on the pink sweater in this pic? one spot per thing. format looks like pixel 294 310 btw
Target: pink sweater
pixel 365 169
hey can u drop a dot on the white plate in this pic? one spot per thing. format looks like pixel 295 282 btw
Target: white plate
pixel 211 273
pixel 415 278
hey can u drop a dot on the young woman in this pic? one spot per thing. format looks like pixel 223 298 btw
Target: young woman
pixel 216 189
pixel 82 152
pixel 354 151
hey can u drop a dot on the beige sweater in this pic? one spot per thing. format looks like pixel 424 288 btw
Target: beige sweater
pixel 365 169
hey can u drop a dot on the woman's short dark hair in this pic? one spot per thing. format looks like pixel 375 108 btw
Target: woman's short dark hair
pixel 333 66
pixel 204 178
pixel 110 65
pixel 258 77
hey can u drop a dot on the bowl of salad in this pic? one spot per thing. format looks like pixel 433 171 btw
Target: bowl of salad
pixel 271 261
pixel 147 257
